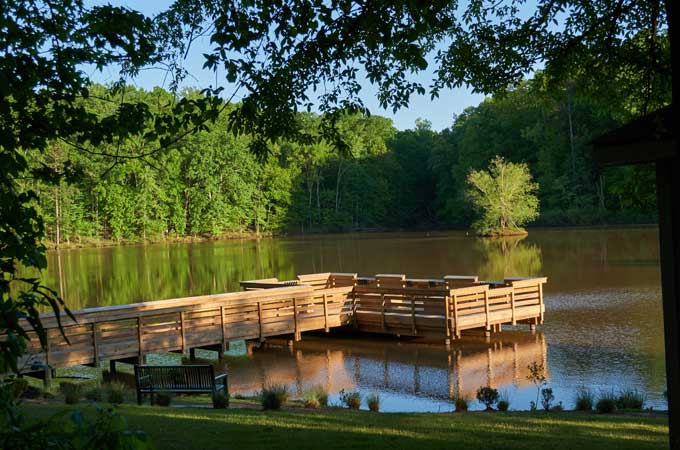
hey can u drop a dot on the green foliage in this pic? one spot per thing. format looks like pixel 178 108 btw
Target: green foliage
pixel 95 393
pixel 461 404
pixel 115 392
pixel 537 376
pixel 585 399
pixel 373 402
pixel 74 431
pixel 606 403
pixel 504 400
pixel 220 400
pixel 547 398
pixel 351 399
pixel 274 396
pixel 488 396
pixel 630 399
pixel 162 398
pixel 72 392
pixel 505 196
pixel 17 386
pixel 316 397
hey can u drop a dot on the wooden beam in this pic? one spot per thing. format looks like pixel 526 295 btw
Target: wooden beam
pixel 668 198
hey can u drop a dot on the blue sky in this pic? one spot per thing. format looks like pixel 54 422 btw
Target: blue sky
pixel 439 111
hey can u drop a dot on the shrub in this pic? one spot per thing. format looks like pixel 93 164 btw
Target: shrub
pixel 272 397
pixel 162 399
pixel 72 392
pixel 18 387
pixel 606 403
pixel 311 402
pixel 373 402
pixel 316 397
pixel 630 399
pixel 461 404
pixel 584 399
pixel 538 377
pixel 488 396
pixel 548 398
pixel 557 408
pixel 115 392
pixel 220 400
pixel 504 401
pixel 95 393
pixel 351 399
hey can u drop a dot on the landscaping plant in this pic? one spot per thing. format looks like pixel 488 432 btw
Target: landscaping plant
pixel 537 376
pixel 115 392
pixel 274 396
pixel 584 399
pixel 220 400
pixel 488 396
pixel 162 399
pixel 316 397
pixel 72 392
pixel 548 398
pixel 351 399
pixel 504 401
pixel 373 402
pixel 606 404
pixel 462 404
pixel 630 399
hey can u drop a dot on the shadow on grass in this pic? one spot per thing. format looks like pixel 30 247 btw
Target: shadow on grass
pixel 243 429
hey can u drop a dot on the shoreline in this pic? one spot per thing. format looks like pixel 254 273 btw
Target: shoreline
pixel 91 243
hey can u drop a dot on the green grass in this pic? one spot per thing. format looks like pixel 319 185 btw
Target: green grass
pixel 184 428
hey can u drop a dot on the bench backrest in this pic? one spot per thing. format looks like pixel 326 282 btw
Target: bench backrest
pixel 191 377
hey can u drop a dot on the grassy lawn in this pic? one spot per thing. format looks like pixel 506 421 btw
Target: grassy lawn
pixel 246 428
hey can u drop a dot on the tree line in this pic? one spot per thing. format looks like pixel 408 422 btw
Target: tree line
pixel 210 184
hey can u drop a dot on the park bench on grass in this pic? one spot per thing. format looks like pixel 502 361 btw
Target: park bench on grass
pixel 189 379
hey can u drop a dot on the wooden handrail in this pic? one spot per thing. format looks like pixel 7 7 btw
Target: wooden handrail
pixel 182 324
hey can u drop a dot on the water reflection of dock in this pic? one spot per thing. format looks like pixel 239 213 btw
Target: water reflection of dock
pixel 403 367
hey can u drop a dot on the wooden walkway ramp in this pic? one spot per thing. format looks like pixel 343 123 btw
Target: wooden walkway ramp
pixel 387 303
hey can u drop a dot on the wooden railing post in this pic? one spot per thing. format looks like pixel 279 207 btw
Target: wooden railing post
pixel 296 333
pixel 413 315
pixel 382 306
pixel 325 314
pixel 455 316
pixel 447 317
pixel 223 347
pixel 259 318
pixel 512 306
pixel 540 300
pixel 181 327
pixel 139 340
pixel 486 309
pixel 95 346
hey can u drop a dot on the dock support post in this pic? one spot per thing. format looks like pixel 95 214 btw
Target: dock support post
pixel 192 354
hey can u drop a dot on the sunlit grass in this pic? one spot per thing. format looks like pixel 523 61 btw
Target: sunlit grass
pixel 242 428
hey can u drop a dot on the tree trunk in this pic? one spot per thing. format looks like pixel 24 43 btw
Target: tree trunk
pixel 570 92
pixel 57 217
pixel 318 198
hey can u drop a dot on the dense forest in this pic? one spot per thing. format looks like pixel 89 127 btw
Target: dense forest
pixel 209 184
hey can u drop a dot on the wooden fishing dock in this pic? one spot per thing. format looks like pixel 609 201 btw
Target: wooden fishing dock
pixel 386 303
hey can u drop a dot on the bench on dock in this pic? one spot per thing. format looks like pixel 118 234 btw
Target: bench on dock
pixel 190 379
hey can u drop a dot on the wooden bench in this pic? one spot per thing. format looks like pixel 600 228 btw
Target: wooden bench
pixel 189 379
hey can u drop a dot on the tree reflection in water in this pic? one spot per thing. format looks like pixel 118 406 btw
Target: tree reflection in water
pixel 508 257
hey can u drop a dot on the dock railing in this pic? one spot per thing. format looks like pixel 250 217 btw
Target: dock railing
pixel 385 303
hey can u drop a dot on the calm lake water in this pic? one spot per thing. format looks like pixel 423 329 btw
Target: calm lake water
pixel 603 321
